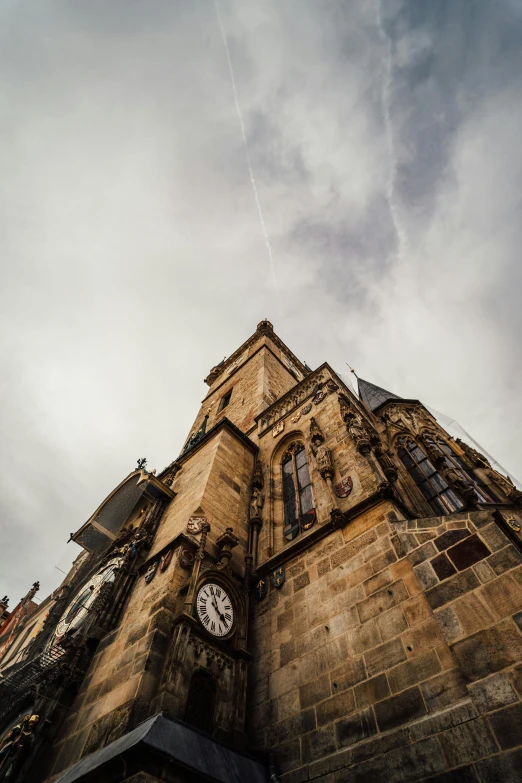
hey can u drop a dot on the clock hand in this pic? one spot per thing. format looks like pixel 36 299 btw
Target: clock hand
pixel 222 616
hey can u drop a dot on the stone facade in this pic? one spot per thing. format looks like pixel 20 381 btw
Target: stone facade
pixel 373 641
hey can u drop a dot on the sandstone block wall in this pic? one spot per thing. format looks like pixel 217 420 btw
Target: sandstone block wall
pixel 393 652
pixel 121 683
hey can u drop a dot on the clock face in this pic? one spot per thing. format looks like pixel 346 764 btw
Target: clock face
pixel 215 610
pixel 79 608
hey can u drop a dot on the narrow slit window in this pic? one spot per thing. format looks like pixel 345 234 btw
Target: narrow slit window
pixel 225 400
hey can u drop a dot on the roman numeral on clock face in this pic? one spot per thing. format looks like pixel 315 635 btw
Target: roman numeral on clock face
pixel 214 609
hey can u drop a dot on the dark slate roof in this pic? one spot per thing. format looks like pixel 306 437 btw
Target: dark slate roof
pixel 373 396
pixel 189 747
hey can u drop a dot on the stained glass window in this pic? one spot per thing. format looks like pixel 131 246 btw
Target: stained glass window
pixel 298 498
pixel 441 498
pixel 484 493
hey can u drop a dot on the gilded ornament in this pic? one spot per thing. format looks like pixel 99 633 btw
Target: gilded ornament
pixel 278 577
pixel 514 524
pixel 261 588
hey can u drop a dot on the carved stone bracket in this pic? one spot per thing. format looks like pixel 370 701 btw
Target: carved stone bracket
pixel 212 655
pixel 226 543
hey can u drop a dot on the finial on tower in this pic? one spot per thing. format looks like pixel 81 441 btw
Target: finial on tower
pixel 265 327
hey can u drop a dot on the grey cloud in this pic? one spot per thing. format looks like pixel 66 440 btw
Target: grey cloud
pixel 133 257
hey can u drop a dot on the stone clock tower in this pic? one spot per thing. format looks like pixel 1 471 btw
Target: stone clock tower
pixel 321 586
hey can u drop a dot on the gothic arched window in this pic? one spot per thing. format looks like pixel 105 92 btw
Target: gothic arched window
pixel 298 499
pixel 484 493
pixel 441 498
pixel 200 703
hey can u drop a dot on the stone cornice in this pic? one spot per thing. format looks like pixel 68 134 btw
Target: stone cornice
pixel 297 395
pixel 222 424
pixel 319 531
pixel 225 380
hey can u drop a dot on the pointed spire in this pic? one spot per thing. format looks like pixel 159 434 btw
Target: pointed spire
pixel 374 396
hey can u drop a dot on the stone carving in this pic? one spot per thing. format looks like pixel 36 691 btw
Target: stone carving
pixel 331 385
pixel 345 407
pixel 456 480
pixel 433 451
pixel 256 503
pixel 358 433
pixel 396 416
pixel 476 459
pixel 257 498
pixel 513 523
pixel 307 408
pixel 14 746
pixel 506 485
pixel 211 654
pixel 195 525
pixel 32 592
pixel 170 473
pixel 258 479
pixel 226 543
pixel 384 457
pixel 279 427
pixel 319 397
pixel 296 418
pixel 321 452
pixel 310 385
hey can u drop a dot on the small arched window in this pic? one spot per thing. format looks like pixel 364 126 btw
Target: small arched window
pixel 298 499
pixel 200 703
pixel 439 495
pixel 484 493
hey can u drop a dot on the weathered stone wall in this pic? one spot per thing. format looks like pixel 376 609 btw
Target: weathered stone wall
pixel 214 481
pixel 121 682
pixel 393 652
pixel 257 382
pixel 345 458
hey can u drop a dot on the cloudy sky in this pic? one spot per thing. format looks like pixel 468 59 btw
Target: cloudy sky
pixel 385 144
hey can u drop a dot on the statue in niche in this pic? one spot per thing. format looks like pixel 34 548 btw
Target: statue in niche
pixel 256 502
pixel 477 459
pixel 358 433
pixel 386 462
pixel 321 452
pixel 455 479
pixel 14 746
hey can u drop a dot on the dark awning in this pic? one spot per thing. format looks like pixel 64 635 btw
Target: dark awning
pixel 188 748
